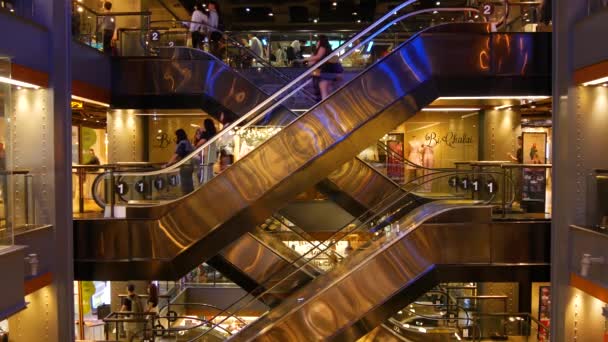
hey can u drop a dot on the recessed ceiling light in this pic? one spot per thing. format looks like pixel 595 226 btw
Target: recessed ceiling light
pixel 359 21
pixel 315 21
pixel 17 83
pixel 334 4
pixel 438 3
pixel 354 13
pixel 596 81
pixel 247 9
pixel 270 14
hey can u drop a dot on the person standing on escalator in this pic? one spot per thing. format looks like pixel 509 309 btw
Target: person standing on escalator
pixel 197 26
pixel 209 154
pixel 330 72
pixel 182 150
pixel 215 36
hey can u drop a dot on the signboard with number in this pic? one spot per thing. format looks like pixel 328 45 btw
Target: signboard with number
pixel 453 181
pixel 475 185
pixel 122 188
pixel 465 184
pixel 155 36
pixel 173 180
pixel 159 183
pixel 140 186
pixel 491 186
pixel 487 9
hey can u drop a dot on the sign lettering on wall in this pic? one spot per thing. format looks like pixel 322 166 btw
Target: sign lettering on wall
pixel 451 139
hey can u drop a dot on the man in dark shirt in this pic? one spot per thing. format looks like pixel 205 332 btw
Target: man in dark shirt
pixel 519 155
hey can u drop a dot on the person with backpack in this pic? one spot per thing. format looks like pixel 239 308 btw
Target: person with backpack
pixel 131 303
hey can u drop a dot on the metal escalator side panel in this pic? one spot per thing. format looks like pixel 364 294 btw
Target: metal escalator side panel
pixel 186 78
pixel 357 186
pixel 262 258
pixel 347 302
pixel 295 159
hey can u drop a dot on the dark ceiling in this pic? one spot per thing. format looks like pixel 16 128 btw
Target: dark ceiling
pixel 324 14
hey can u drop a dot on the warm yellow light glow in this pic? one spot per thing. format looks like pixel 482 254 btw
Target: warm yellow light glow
pixel 84 99
pixel 450 109
pixel 596 81
pixel 530 97
pixel 18 83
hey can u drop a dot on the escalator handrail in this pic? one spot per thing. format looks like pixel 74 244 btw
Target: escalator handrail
pixel 273 97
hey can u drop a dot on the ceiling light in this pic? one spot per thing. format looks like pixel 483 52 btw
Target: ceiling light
pixel 532 106
pixel 334 4
pixel 450 109
pixel 438 3
pixel 18 83
pixel 247 9
pixel 270 14
pixel 80 9
pixel 604 85
pixel 84 99
pixel 502 107
pixel 435 12
pixel 506 97
pixel 315 21
pixel 476 16
pixel 422 330
pixel 359 21
pixel 354 13
pixel 596 81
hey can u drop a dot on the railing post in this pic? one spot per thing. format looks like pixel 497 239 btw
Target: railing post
pixel 112 194
pixel 504 192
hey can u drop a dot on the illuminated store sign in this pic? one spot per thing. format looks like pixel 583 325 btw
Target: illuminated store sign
pixel 451 139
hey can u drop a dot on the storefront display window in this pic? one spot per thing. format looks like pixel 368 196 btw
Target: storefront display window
pixel 426 141
pixel 91 305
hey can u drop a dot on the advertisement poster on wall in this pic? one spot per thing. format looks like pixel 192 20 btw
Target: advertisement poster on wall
pixel 534 179
pixel 544 312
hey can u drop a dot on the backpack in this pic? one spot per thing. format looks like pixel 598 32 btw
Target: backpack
pixel 136 305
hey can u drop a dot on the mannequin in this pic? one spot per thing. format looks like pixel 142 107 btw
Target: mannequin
pixel 415 151
pixel 428 161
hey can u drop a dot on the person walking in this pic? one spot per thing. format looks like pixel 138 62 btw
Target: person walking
pixel 132 304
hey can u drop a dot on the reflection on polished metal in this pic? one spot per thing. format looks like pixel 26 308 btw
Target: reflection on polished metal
pixel 166 241
pixel 385 333
pixel 185 78
pixel 346 302
pixel 260 257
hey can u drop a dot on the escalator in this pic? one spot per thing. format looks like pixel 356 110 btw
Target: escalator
pixel 165 241
pixel 347 303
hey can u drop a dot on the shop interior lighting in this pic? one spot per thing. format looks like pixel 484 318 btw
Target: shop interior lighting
pixel 596 81
pixel 502 107
pixel 169 114
pixel 84 99
pixel 422 330
pixel 457 337
pixel 450 109
pixel 506 97
pixel 18 83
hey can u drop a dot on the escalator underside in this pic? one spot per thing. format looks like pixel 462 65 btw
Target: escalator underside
pixel 166 241
pixel 346 303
